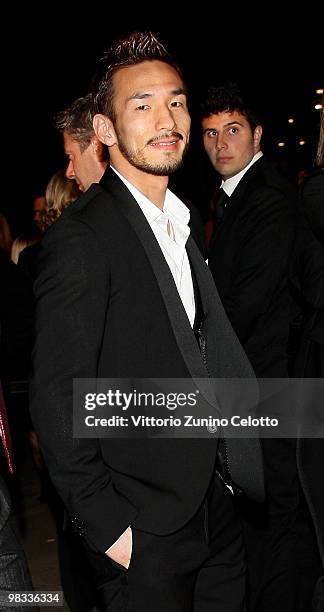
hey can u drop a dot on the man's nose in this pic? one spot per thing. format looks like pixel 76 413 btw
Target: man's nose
pixel 221 142
pixel 69 172
pixel 165 119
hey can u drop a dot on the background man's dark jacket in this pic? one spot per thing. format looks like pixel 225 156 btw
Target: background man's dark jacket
pixel 249 260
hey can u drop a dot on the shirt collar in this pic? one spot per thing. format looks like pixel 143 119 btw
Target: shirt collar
pixel 231 183
pixel 172 207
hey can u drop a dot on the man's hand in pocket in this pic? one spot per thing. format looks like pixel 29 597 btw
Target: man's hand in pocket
pixel 121 551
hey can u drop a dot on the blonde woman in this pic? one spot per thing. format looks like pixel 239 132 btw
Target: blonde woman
pixel 60 192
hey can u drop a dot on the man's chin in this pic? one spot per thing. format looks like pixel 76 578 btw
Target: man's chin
pixel 164 168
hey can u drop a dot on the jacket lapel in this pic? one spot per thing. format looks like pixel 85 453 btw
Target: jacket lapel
pixel 227 360
pixel 226 357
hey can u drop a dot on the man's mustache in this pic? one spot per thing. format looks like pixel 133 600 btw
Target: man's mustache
pixel 164 136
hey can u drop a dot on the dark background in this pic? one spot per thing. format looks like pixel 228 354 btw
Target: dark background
pixel 50 57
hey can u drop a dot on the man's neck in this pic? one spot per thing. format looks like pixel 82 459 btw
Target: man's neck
pixel 152 186
pixel 230 183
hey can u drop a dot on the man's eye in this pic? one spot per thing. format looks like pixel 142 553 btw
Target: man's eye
pixel 142 107
pixel 176 104
pixel 233 130
pixel 212 134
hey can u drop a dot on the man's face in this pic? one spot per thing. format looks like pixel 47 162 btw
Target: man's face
pixel 152 121
pixel 229 142
pixel 38 206
pixel 85 166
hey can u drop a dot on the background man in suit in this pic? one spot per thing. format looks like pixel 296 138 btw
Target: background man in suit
pixel 127 291
pixel 88 159
pixel 249 258
pixel 253 231
pixel 87 156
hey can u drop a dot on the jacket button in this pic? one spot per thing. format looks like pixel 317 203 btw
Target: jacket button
pixel 212 428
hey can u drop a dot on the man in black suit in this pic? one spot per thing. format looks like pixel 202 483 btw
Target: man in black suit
pixel 253 231
pixel 249 258
pixel 123 292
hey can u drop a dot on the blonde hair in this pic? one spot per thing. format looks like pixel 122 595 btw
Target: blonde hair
pixel 5 234
pixel 60 192
pixel 20 243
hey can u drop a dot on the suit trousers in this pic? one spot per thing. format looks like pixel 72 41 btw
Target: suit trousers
pixel 200 568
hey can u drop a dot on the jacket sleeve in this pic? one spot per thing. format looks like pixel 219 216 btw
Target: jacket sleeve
pixel 72 294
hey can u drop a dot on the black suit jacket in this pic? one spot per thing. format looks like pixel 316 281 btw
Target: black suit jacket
pixel 107 306
pixel 249 259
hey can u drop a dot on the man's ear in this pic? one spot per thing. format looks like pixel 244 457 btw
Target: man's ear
pixel 257 138
pixel 96 146
pixel 104 130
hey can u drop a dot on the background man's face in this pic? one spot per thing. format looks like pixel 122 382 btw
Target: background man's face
pixel 152 121
pixel 229 142
pixel 38 206
pixel 85 166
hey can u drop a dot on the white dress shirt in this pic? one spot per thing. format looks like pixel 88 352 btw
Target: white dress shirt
pixel 231 183
pixel 173 242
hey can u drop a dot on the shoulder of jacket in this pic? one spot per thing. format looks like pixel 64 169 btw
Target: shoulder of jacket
pixel 314 179
pixel 94 192
pixel 75 213
pixel 269 184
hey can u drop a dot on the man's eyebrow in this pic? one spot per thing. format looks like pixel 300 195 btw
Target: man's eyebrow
pixel 180 91
pixel 137 95
pixel 233 123
pixel 213 129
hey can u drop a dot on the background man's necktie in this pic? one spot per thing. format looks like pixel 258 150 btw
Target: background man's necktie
pixel 220 205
